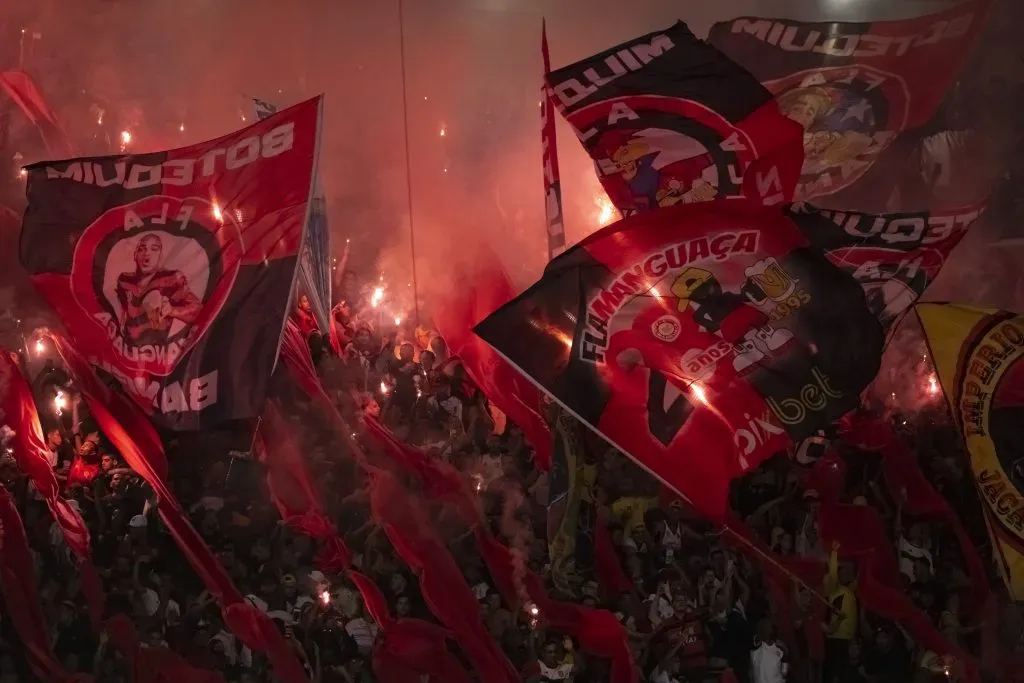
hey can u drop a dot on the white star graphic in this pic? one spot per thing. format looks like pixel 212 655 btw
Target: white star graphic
pixel 858 111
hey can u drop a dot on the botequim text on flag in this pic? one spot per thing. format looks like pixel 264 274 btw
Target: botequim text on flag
pixel 172 271
pixel 697 339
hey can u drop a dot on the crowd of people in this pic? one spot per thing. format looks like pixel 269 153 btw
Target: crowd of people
pixel 698 609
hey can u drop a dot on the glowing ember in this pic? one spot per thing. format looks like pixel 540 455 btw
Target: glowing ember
pixel 398 320
pixel 533 610
pixel 217 213
pixel 933 385
pixel 181 128
pixel 40 346
pixel 126 137
pixel 444 131
pixel 698 391
pixel 378 294
pixel 60 402
pixel 384 388
pixel 605 210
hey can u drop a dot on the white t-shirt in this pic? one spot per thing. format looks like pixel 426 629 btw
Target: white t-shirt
pixel 363 632
pixel 766 665
pixel 151 601
pixel 661 676
pixel 908 554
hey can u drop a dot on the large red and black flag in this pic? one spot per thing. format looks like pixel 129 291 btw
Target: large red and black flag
pixel 854 88
pixel 668 119
pixel 172 271
pixel 697 339
pixel 894 257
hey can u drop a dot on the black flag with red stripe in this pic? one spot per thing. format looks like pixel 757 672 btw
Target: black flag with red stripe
pixel 697 339
pixel 668 119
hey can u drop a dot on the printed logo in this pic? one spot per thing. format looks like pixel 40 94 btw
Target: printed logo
pixel 666 328
pixel 685 152
pixel 158 271
pixel 849 114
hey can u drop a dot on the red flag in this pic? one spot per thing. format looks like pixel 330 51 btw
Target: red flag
pixel 154 664
pixel 19 410
pixel 407 648
pixel 294 493
pixel 599 632
pixel 442 584
pixel 668 120
pixel 856 104
pixel 686 337
pixel 479 294
pixel 440 481
pixel 137 441
pixel 177 267
pixel 18 581
pixel 26 94
pixel 904 476
pixel 860 534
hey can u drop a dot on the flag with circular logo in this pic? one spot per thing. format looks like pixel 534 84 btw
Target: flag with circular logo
pixel 172 271
pixel 978 358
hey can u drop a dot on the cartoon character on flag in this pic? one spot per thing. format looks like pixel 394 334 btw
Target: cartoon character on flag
pixel 659 167
pixel 702 333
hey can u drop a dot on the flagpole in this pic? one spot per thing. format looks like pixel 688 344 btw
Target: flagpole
pixel 408 164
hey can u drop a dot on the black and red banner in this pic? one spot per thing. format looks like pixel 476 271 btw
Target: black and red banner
pixel 172 271
pixel 893 256
pixel 678 332
pixel 854 88
pixel 668 119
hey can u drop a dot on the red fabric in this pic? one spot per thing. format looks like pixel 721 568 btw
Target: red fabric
pixel 827 477
pixel 607 564
pixel 305 322
pixel 440 480
pixel 407 648
pixel 478 295
pixel 598 631
pixel 860 533
pixel 18 581
pixel 444 588
pixel 781 573
pixel 294 493
pixel 20 87
pixel 295 353
pixel 19 410
pixel 154 664
pixel 137 441
pixel 902 473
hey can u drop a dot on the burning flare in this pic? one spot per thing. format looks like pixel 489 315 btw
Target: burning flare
pixel 606 212
pixel 378 294
pixel 40 346
pixel 60 402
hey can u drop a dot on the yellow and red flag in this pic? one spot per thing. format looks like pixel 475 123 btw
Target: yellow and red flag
pixel 977 354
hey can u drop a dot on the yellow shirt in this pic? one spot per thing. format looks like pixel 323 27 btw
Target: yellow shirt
pixel 631 510
pixel 844 602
